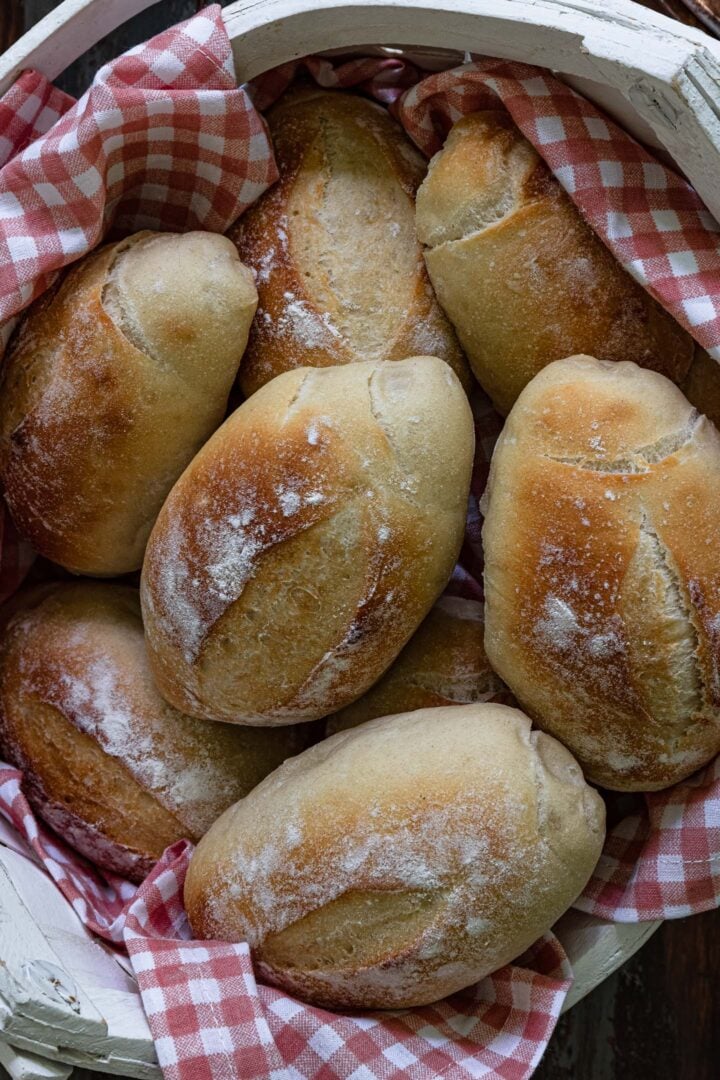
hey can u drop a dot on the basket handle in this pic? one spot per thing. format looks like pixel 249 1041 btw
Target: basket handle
pixel 65 34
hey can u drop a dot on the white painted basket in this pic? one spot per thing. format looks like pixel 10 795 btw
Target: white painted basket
pixel 65 999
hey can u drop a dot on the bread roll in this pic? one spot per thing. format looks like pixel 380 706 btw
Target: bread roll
pixel 399 862
pixel 307 541
pixel 337 264
pixel 521 276
pixel 602 570
pixel 112 767
pixel 111 385
pixel 443 663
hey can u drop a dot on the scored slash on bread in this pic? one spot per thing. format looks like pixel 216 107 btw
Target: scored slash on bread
pixel 338 268
pixel 396 863
pixel 521 276
pixel 106 761
pixel 307 540
pixel 444 662
pixel 602 570
pixel 112 383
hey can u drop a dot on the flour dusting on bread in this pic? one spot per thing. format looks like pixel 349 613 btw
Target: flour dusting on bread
pixel 329 502
pixel 402 860
pixel 602 579
pixel 339 271
pixel 80 714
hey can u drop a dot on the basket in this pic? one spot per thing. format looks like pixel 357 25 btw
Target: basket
pixel 66 999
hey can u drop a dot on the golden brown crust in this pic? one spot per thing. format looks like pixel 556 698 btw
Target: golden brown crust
pixel 112 383
pixel 443 663
pixel 106 761
pixel 307 540
pixel 521 276
pixel 398 862
pixel 338 268
pixel 602 570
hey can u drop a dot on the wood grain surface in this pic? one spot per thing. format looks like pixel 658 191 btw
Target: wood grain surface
pixel 658 1018
pixel 677 9
pixel 707 12
pixel 11 21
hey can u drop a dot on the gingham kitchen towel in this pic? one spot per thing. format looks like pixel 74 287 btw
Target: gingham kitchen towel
pixel 210 1018
pixel 98 899
pixel 665 863
pixel 27 111
pixel 164 138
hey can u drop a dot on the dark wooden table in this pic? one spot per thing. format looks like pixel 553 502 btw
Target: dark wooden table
pixel 658 1018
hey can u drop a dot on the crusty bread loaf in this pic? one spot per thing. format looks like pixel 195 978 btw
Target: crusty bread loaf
pixel 399 862
pixel 338 268
pixel 111 766
pixel 111 385
pixel 307 540
pixel 602 570
pixel 443 663
pixel 521 276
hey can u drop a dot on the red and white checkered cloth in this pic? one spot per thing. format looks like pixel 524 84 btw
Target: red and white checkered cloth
pixel 165 139
pixel 665 863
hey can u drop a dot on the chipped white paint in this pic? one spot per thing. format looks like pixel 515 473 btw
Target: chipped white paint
pixel 23 1066
pixel 62 995
pixel 597 948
